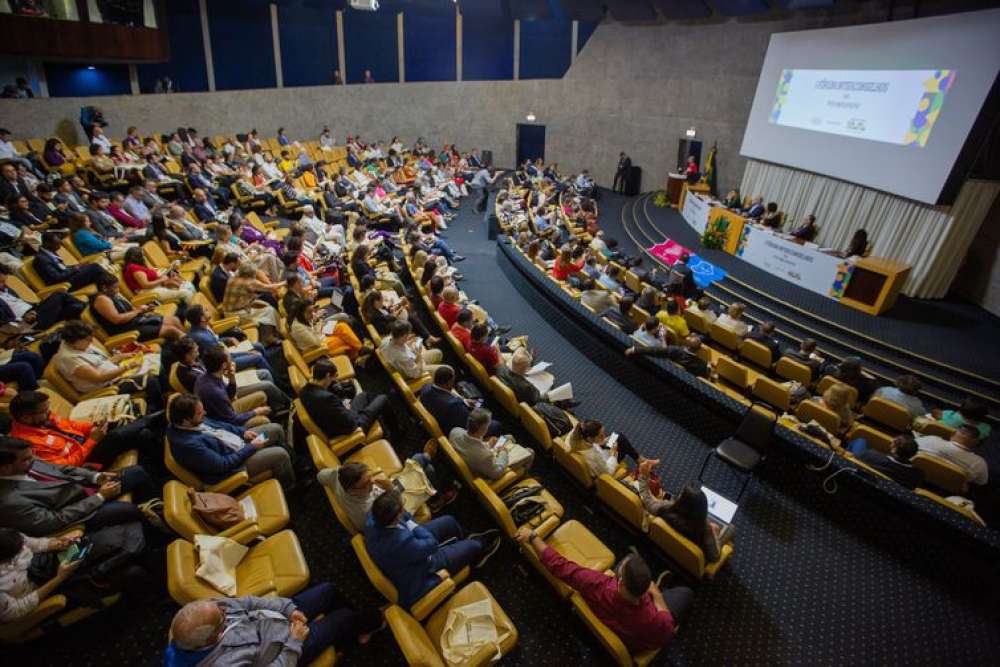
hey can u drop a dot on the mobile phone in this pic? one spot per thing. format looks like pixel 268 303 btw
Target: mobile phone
pixel 74 552
pixel 502 441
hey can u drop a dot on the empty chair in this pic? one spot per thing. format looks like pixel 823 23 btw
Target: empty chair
pixel 793 370
pixel 750 445
pixel 733 373
pixel 724 337
pixel 267 498
pixel 773 393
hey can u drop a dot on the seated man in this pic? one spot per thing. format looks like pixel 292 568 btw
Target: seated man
pixel 513 375
pixel 905 394
pixel 53 270
pixel 325 401
pixel 959 450
pixel 808 230
pixel 221 274
pixel 217 389
pixel 630 603
pixel 685 355
pixel 462 327
pixel 206 338
pixel 732 320
pixel 410 554
pixel 896 464
pixel 38 498
pixel 448 408
pixel 756 208
pixel 405 353
pixel 479 450
pixel 61 441
pixel 214 450
pixel 275 631
pixel 651 334
pixel 765 335
pixel 56 307
pixel 484 350
pixel 805 354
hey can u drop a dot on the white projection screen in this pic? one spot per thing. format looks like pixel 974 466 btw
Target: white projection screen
pixel 888 105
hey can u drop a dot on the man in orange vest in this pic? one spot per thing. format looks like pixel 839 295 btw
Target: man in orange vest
pixel 62 441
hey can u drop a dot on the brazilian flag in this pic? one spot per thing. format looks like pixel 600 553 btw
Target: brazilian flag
pixel 711 178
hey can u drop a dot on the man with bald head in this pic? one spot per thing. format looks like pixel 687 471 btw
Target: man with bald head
pixel 266 631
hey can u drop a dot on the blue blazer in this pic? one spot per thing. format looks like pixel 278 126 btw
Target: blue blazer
pixel 205 455
pixel 448 409
pixel 205 338
pixel 404 556
pixel 51 269
pixel 203 212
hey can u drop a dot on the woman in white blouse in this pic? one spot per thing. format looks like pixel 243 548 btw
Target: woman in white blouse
pixel 19 594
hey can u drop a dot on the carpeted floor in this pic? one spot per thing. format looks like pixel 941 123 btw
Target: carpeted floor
pixel 816 578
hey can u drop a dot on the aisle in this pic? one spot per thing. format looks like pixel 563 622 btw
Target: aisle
pixel 809 570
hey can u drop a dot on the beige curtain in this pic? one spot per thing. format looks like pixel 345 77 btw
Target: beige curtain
pixel 932 239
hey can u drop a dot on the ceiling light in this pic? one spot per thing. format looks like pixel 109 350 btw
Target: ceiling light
pixel 690 132
pixel 530 117
pixel 91 67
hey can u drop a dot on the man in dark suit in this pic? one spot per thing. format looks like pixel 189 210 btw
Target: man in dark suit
pixel 686 355
pixel 805 354
pixel 449 409
pixel 219 277
pixel 323 399
pixel 682 277
pixel 10 184
pixel 38 498
pixel 56 307
pixel 198 179
pixel 52 270
pixel 204 209
pixel 764 334
pixel 622 172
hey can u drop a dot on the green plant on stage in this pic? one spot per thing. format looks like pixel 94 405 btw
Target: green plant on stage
pixel 661 200
pixel 715 234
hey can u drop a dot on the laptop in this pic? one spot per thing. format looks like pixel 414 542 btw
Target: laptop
pixel 721 509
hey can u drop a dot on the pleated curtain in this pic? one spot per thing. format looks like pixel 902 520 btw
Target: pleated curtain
pixel 931 239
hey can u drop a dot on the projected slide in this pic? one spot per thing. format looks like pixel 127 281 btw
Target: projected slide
pixel 892 106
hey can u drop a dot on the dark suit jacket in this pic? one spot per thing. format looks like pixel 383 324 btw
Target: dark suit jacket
pixel 42 508
pixel 154 172
pixel 204 455
pixel 524 391
pixel 51 268
pixel 328 411
pixel 691 362
pixel 907 475
pixel 769 341
pixel 204 212
pixel 8 189
pixel 217 283
pixel 449 410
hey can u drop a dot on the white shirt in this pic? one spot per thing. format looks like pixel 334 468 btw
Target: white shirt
pixel 270 170
pixel 7 150
pixel 738 327
pixel 16 304
pixel 102 140
pixel 974 464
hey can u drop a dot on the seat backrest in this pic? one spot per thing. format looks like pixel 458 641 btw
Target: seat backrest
pixel 876 439
pixel 294 357
pixel 19 288
pixel 942 473
pixel 177 470
pixel 307 422
pixel 608 639
pixel 810 409
pixel 297 379
pixel 428 420
pixel 732 372
pixel 61 384
pixel 623 500
pixel 724 337
pixel 682 550
pixel 756 353
pixel 963 510
pixel 379 580
pixel 535 426
pixel 178 513
pixel 495 507
pixel 28 269
pixel 793 370
pixel 175 381
pixel 57 403
pixel 757 428
pixel 478 370
pixel 933 428
pixel 504 395
pixel 771 392
pixel 572 463
pixel 888 413
pixel 457 461
pixel 696 321
pixel 154 254
pixel 417 647
pixel 828 380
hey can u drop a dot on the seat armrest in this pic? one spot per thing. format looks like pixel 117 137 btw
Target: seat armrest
pixel 224 324
pixel 127 458
pixel 321 455
pixel 508 478
pixel 724 554
pixel 314 354
pixel 244 532
pixel 547 527
pixel 423 607
pixel 262 589
pixel 142 298
pixel 120 340
pixel 346 443
pixel 52 289
pixel 232 482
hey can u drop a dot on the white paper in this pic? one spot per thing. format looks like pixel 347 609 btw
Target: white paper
pixel 336 298
pixel 719 507
pixel 539 367
pixel 247 377
pixel 542 381
pixel 249 509
pixel 562 393
pixel 389 298
pixel 517 454
pixel 242 346
pixel 328 327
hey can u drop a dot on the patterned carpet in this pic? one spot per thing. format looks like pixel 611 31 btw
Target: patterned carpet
pixel 816 578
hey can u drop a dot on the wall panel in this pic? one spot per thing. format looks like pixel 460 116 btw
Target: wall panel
pixel 370 43
pixel 242 50
pixel 487 49
pixel 308 43
pixel 186 66
pixel 429 42
pixel 67 80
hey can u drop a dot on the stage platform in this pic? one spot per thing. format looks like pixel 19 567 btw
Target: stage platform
pixel 949 344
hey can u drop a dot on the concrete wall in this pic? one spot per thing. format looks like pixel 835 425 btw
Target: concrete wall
pixel 979 278
pixel 632 88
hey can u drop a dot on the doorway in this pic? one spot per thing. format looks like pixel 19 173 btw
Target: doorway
pixel 530 142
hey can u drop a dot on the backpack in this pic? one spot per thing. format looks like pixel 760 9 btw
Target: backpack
pixel 555 419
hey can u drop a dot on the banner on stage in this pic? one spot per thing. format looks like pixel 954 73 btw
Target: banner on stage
pixel 705 273
pixel 804 266
pixel 695 212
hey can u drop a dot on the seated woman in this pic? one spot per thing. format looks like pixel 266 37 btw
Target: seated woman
pixel 242 298
pixel 54 155
pixel 772 217
pixel 972 411
pixel 306 331
pixel 166 285
pixel 733 320
pixel 89 243
pixel 360 266
pixel 687 514
pixel 589 439
pixel 620 315
pixel 564 266
pixel 732 200
pixel 117 315
pixel 189 369
pixel 99 162
pixel 381 317
pixel 88 368
pixel 20 590
pixel 836 398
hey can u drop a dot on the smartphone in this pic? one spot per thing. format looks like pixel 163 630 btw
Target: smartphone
pixel 74 553
pixel 502 442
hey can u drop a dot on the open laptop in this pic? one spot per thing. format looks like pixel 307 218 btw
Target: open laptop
pixel 721 509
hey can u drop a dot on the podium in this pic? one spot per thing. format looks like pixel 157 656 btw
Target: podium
pixel 875 284
pixel 675 184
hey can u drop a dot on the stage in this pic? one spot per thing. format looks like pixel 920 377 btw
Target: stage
pixel 949 344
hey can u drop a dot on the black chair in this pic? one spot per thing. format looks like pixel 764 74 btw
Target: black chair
pixel 749 446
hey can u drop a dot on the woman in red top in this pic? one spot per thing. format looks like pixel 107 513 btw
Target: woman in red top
pixel 461 329
pixel 564 266
pixel 691 171
pixel 449 307
pixel 481 350
pixel 166 285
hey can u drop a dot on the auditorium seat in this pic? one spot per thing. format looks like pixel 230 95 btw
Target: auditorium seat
pixel 941 473
pixel 774 393
pixel 421 644
pixel 572 463
pixel 42 290
pixel 622 500
pixel 809 410
pixel 509 476
pixel 227 486
pixel 790 369
pixel 427 419
pixel 504 395
pixel 535 426
pixel 757 354
pixel 733 373
pixel 934 428
pixel 378 455
pixel 963 510
pixel 608 639
pixel 887 413
pixel 685 552
pixel 876 439
pixel 268 501
pixel 828 380
pixel 724 337
pixel 696 321
pixel 431 600
pixel 50 614
pixel 478 370
pixel 274 566
pixel 341 444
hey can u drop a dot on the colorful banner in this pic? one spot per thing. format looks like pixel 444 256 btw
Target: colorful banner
pixel 893 106
pixel 802 265
pixel 695 212
pixel 705 273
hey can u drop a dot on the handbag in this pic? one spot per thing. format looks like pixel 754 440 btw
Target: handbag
pixel 470 628
pixel 413 485
pixel 555 419
pixel 216 509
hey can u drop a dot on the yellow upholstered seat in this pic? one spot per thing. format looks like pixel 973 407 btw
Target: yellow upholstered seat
pixel 275 566
pixel 696 321
pixel 422 607
pixel 535 426
pixel 32 626
pixel 942 473
pixel 876 439
pixel 501 513
pixel 733 373
pixel 339 444
pixel 756 353
pixel 964 511
pixel 793 370
pixel 809 410
pixel 773 393
pixel 724 337
pixel 504 395
pixel 685 552
pixel 509 476
pixel 624 501
pixel 608 639
pixel 421 644
pixel 302 360
pixel 234 481
pixel 828 380
pixel 887 413
pixel 268 499
pixel 572 462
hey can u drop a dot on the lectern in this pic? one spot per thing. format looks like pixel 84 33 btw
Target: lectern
pixel 875 284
